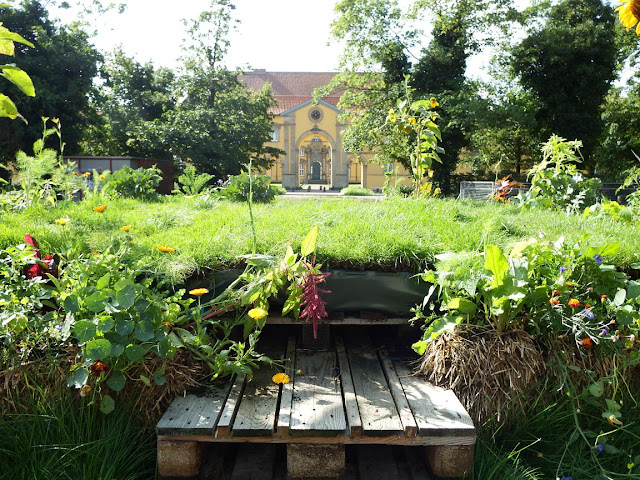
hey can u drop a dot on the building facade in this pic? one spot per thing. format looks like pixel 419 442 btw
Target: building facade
pixel 310 134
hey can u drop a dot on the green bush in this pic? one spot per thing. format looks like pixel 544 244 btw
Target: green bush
pixel 556 182
pixel 236 188
pixel 356 191
pixel 129 183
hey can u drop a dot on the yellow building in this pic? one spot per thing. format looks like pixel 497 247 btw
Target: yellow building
pixel 310 134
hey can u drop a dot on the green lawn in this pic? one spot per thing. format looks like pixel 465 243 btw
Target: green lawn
pixel 394 234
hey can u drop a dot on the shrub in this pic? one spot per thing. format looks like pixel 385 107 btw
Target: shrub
pixel 356 191
pixel 129 183
pixel 236 188
pixel 192 183
pixel 556 182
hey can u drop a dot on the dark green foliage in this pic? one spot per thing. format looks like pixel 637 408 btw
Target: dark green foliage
pixel 129 183
pixel 62 66
pixel 569 63
pixel 58 438
pixel 237 188
pixel 191 183
pixel 131 103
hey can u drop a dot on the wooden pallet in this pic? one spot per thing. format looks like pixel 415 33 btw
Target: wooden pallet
pixel 350 394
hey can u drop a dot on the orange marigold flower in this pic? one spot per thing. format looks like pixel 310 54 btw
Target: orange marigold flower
pixel 258 313
pixel 603 297
pixel 280 378
pixel 587 306
pixel 586 342
pixel 164 248
pixel 100 208
pixel 75 173
pixel 574 303
pixel 553 301
pixel 126 228
pixel 86 174
pixel 198 291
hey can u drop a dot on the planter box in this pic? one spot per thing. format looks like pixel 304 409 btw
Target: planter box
pixel 356 291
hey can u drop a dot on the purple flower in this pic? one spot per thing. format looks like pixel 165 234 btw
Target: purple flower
pixel 566 478
pixel 588 314
pixel 600 447
pixel 604 331
pixel 598 259
pixel 563 269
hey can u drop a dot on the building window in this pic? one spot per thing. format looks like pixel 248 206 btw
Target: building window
pixel 275 134
pixel 302 152
pixel 388 168
pixel 302 169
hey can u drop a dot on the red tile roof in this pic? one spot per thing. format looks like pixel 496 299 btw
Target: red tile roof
pixel 290 89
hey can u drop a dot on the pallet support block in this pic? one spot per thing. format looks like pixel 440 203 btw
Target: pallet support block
pixel 179 458
pixel 315 461
pixel 450 460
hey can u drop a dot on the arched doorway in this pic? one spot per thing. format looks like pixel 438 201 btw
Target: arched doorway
pixel 315 160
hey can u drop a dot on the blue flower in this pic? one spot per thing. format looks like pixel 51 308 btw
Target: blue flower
pixel 563 269
pixel 600 447
pixel 598 259
pixel 566 478
pixel 588 314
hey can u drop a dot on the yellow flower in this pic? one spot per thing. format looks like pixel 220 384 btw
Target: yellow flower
pixel 126 228
pixel 164 248
pixel 412 120
pixel 86 174
pixel 258 313
pixel 198 291
pixel 101 177
pixel 280 378
pixel 100 208
pixel 433 102
pixel 62 221
pixel 630 14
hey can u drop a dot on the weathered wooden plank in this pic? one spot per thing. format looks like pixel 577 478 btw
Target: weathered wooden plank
pixel 406 417
pixel 193 414
pixel 437 411
pixel 376 462
pixel 257 412
pixel 286 397
pixel 377 409
pixel 230 407
pixel 350 401
pixel 254 462
pixel 317 408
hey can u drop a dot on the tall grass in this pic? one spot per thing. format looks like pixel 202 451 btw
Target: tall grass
pixel 392 234
pixel 58 439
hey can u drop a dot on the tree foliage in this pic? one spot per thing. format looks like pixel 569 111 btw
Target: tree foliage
pixel 62 66
pixel 568 61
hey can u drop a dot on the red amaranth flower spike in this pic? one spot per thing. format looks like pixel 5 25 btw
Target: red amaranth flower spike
pixel 313 306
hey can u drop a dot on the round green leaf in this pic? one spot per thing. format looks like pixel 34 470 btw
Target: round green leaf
pixel 105 324
pixel 596 389
pixel 84 331
pixel 78 378
pixel 135 353
pixel 159 377
pixel 98 349
pixel 125 327
pixel 107 404
pixel 116 381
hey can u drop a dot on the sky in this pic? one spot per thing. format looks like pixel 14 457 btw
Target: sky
pixel 278 35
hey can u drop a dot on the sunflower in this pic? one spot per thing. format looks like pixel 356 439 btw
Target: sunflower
pixel 630 14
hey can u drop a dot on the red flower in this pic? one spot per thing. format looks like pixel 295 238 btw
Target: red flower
pixel 39 267
pixel 553 301
pixel 98 367
pixel 586 342
pixel 313 305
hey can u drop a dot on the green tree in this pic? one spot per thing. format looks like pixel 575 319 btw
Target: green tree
pixel 217 124
pixel 568 60
pixel 131 102
pixel 62 67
